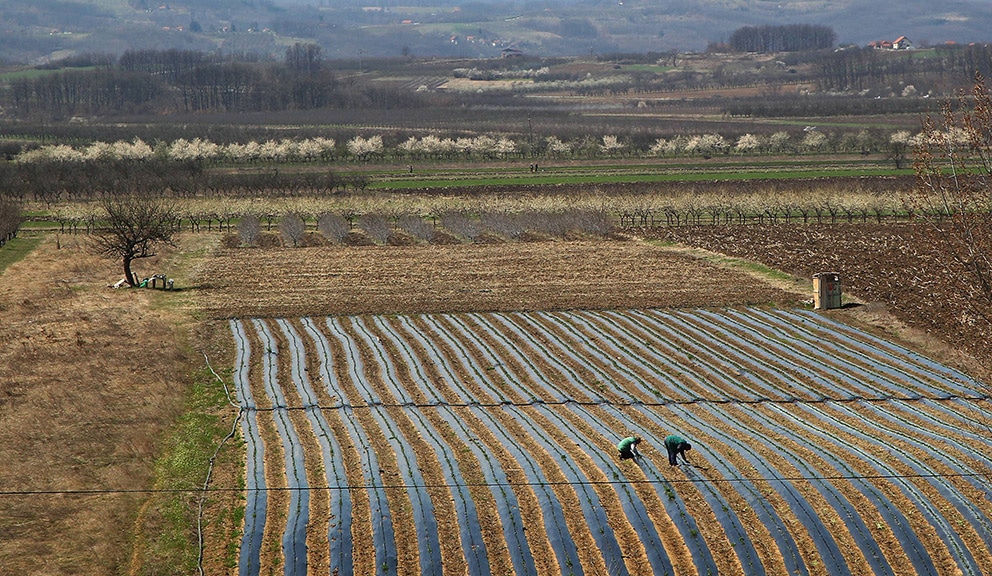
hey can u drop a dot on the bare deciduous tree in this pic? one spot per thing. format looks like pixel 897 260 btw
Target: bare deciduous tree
pixel 292 228
pixel 10 219
pixel 333 226
pixel 954 194
pixel 249 227
pixel 135 226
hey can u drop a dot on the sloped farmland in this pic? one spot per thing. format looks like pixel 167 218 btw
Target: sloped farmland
pixel 484 443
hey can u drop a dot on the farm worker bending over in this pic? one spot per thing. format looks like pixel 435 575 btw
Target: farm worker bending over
pixel 676 445
pixel 628 447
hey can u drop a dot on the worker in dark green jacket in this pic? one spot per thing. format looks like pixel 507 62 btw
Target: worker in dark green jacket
pixel 628 447
pixel 676 445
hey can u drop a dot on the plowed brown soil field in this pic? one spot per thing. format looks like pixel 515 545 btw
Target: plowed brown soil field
pixel 897 268
pixel 334 280
pixel 894 269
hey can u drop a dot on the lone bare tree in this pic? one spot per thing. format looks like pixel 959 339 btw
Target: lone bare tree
pixel 135 226
pixel 954 194
pixel 293 228
pixel 249 228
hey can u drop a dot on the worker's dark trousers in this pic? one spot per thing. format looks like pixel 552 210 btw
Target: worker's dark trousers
pixel 673 456
pixel 626 454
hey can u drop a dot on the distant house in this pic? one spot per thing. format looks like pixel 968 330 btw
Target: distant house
pixel 511 53
pixel 902 43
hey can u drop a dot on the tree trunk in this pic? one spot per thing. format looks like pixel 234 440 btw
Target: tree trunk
pixel 128 275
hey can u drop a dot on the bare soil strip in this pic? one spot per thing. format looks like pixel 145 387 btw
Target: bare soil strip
pixel 334 280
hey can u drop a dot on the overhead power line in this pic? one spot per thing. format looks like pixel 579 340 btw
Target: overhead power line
pixel 426 486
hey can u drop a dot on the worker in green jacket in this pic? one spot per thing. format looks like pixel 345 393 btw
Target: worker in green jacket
pixel 628 447
pixel 676 445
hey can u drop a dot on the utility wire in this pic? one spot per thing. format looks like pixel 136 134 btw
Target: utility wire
pixel 108 491
pixel 474 404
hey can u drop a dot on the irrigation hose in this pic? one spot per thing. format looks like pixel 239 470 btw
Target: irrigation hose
pixel 210 468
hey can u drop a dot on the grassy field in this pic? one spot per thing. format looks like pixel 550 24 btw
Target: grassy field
pixel 17 249
pixel 604 175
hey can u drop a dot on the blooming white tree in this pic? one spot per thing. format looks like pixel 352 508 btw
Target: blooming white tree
pixel 326 147
pixel 899 143
pixel 706 144
pixel 556 147
pixel 779 141
pixel 814 140
pixel 676 145
pixel 659 147
pixel 505 147
pixel 272 150
pixel 54 153
pixel 611 145
pixel 484 145
pixel 410 146
pixel 197 150
pixel 748 143
pixel 312 149
pixel 464 146
pixel 137 149
pixel 248 152
pixel 430 145
pixel 362 148
pixel 447 146
pixel 901 137
pixel 99 151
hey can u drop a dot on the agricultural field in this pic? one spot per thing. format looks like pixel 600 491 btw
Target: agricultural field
pixel 483 443
pixel 462 416
pixel 433 316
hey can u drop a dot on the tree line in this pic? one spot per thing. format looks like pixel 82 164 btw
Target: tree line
pixel 866 68
pixel 10 219
pixel 204 153
pixel 152 81
pixel 54 182
pixel 787 38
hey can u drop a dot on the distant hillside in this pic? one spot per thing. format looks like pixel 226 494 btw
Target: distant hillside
pixel 33 31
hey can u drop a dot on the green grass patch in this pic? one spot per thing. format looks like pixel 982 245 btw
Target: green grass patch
pixel 169 528
pixel 38 224
pixel 17 249
pixel 550 178
pixel 33 73
pixel 772 276
pixel 760 270
pixel 646 68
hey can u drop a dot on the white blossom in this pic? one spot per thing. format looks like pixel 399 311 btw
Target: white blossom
pixel 362 148
pixel 557 147
pixel 658 148
pixel 611 144
pixel 814 140
pixel 901 137
pixel 748 143
pixel 778 141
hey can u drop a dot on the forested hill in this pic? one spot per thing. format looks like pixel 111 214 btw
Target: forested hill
pixel 33 31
